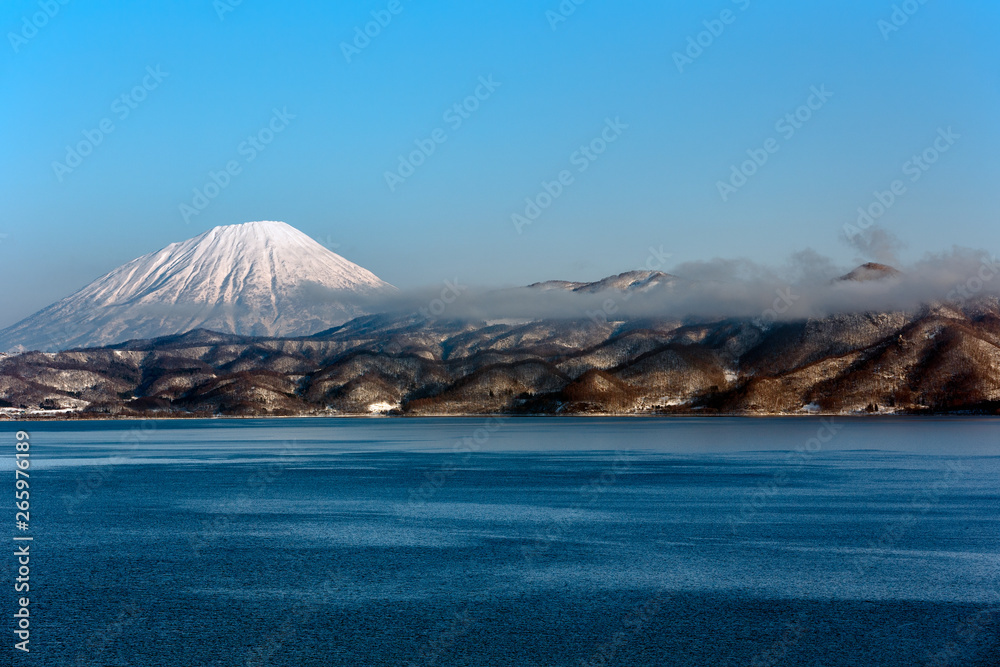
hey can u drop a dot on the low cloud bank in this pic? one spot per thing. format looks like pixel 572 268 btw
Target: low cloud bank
pixel 808 285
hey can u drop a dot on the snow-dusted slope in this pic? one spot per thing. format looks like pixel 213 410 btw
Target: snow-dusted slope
pixel 257 278
pixel 625 282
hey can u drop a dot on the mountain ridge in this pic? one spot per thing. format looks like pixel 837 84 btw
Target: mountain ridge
pixel 940 359
pixel 627 281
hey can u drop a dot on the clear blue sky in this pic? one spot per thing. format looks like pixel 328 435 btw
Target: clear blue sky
pixel 324 172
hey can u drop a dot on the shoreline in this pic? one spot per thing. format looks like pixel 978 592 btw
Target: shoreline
pixel 956 415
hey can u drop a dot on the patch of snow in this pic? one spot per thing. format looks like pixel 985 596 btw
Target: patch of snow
pixel 670 401
pixel 509 321
pixel 376 408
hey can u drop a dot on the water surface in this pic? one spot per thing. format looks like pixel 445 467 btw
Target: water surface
pixel 516 542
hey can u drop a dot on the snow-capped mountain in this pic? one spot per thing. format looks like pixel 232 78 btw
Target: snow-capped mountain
pixel 256 278
pixel 630 281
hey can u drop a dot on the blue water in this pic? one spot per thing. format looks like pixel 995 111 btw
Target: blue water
pixel 519 542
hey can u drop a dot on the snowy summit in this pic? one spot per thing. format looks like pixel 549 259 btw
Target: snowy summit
pixel 257 278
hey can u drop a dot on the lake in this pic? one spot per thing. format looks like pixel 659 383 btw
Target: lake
pixel 520 541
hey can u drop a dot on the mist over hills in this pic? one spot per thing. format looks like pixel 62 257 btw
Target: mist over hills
pixel 258 319
pixel 810 286
pixel 940 359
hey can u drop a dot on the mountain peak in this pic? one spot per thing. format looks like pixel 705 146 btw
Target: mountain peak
pixel 628 281
pixel 259 232
pixel 258 228
pixel 262 278
pixel 871 271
